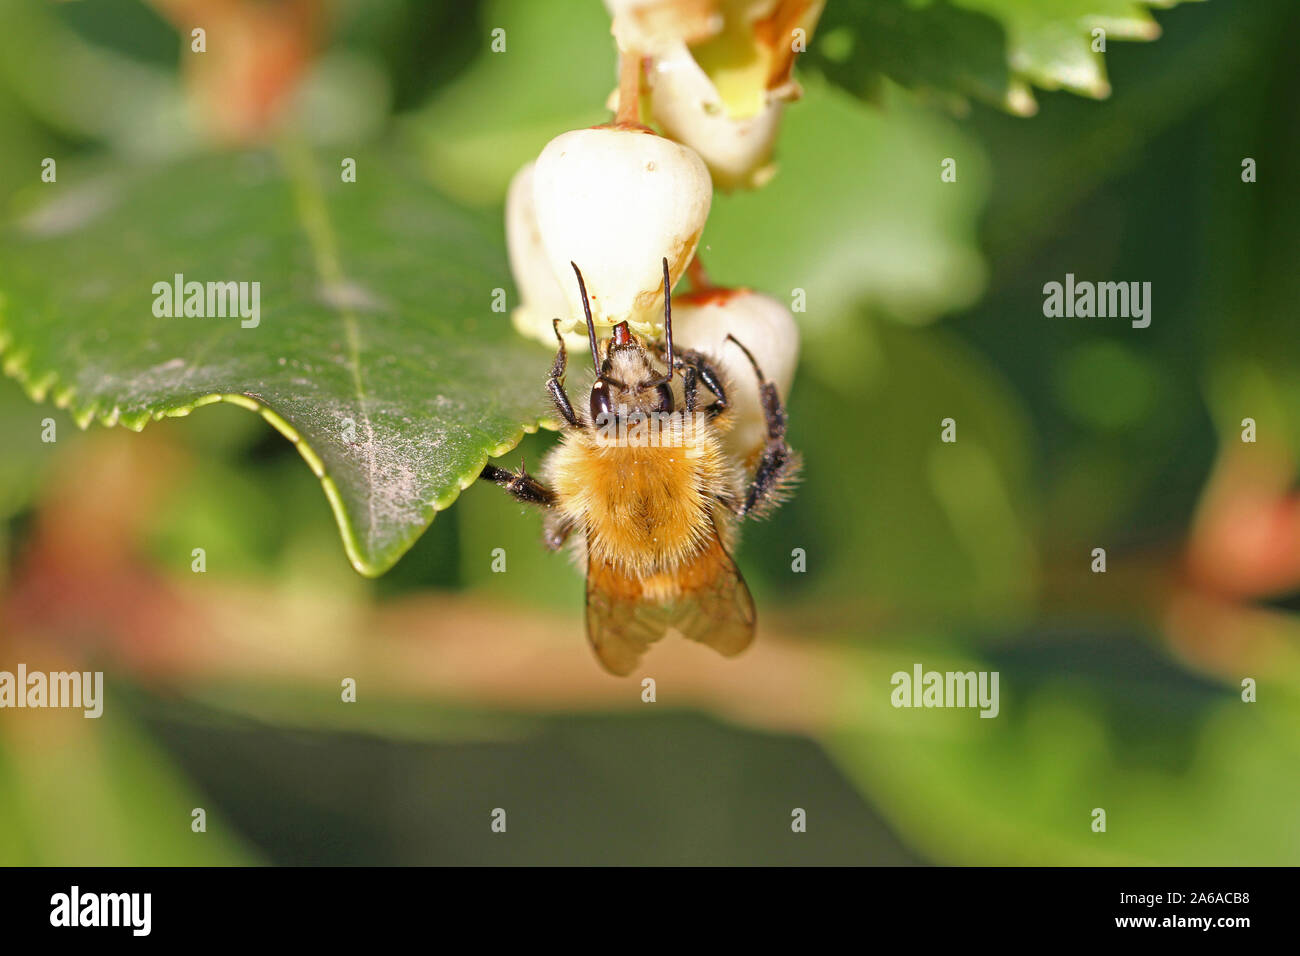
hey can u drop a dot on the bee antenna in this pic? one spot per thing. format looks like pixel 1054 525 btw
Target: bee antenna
pixel 668 318
pixel 591 326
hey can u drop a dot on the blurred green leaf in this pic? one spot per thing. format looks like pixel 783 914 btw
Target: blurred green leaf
pixel 22 147
pixel 385 715
pixel 917 526
pixel 376 352
pixel 231 512
pixel 117 81
pixel 89 91
pixel 857 214
pixel 100 793
pixel 995 50
pixel 490 520
pixel 1251 285
pixel 27 456
pixel 1083 724
pixel 557 68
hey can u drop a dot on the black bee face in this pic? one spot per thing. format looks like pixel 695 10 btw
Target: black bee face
pixel 629 383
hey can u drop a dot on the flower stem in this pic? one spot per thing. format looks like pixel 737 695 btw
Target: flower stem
pixel 629 88
pixel 699 278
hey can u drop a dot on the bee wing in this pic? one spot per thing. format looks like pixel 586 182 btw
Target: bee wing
pixel 713 607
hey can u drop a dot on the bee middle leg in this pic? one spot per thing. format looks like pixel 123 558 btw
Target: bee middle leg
pixel 778 465
pixel 556 529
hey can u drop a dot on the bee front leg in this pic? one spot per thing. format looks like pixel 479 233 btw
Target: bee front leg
pixel 555 383
pixel 523 487
pixel 778 465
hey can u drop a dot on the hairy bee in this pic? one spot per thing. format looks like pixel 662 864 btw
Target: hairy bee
pixel 641 488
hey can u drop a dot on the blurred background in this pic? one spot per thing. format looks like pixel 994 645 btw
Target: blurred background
pixel 477 691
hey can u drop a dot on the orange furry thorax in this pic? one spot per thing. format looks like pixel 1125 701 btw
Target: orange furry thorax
pixel 646 511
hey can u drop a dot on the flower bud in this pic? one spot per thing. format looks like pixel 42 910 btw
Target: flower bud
pixel 703 320
pixel 719 74
pixel 648 25
pixel 617 202
pixel 688 108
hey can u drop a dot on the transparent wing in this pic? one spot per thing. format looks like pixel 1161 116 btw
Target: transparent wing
pixel 713 607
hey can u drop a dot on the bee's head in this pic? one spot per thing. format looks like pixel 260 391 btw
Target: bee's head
pixel 628 380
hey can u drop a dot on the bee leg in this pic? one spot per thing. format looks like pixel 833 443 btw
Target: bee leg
pixel 690 380
pixel 696 368
pixel 556 529
pixel 522 487
pixel 555 383
pixel 778 465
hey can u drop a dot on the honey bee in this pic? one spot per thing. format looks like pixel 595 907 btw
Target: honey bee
pixel 652 512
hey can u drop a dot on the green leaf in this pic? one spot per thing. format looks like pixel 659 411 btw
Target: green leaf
pixel 995 50
pixel 375 350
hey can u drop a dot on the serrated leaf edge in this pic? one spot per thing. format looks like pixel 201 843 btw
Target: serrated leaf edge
pixel 1141 27
pixel 38 386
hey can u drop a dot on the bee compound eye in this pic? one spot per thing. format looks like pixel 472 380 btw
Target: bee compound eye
pixel 664 399
pixel 602 405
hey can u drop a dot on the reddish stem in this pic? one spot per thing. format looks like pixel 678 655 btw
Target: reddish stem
pixel 700 281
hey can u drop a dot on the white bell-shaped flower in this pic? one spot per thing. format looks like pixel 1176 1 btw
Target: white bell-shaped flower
pixel 703 320
pixel 541 295
pixel 617 201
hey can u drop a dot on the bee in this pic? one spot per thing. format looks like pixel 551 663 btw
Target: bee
pixel 652 517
